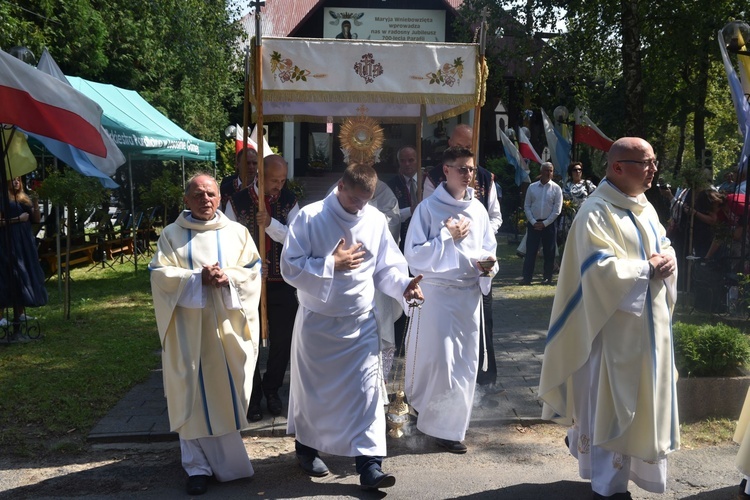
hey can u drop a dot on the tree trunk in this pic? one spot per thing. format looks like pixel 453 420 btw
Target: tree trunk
pixel 632 70
pixel 681 145
pixel 699 117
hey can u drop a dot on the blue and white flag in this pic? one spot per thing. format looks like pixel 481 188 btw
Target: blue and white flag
pixel 514 158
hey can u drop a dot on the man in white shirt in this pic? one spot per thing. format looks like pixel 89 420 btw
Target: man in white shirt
pixel 542 205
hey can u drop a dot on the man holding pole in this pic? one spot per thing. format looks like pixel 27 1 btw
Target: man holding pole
pixel 280 206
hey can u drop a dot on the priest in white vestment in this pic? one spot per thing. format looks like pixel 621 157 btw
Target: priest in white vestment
pixel 608 365
pixel 449 235
pixel 742 437
pixel 337 253
pixel 205 281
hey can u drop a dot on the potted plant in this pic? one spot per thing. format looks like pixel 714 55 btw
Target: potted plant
pixel 711 361
pixel 318 161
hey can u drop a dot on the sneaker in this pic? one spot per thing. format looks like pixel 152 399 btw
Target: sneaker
pixel 23 317
pixel 3 323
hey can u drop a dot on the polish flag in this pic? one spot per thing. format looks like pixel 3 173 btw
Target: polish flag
pixel 239 143
pixel 83 162
pixel 525 147
pixel 41 104
pixel 586 132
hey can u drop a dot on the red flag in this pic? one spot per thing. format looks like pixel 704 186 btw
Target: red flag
pixel 41 104
pixel 586 132
pixel 526 149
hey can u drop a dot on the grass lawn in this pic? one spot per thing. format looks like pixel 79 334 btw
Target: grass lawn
pixel 54 390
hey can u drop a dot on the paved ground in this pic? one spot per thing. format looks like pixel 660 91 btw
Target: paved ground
pixel 510 454
pixel 141 416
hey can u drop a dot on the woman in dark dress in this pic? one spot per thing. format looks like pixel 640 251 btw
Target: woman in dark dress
pixel 18 254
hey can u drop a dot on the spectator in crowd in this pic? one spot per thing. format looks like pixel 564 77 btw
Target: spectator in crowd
pixel 542 206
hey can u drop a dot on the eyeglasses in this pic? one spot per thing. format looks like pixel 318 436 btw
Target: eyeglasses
pixel 577 170
pixel 644 163
pixel 464 170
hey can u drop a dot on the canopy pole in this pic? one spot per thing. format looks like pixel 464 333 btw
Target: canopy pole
pixel 132 214
pixel 482 84
pixel 245 119
pixel 261 174
pixel 422 113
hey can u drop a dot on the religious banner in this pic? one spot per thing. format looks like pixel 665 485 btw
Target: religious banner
pixel 317 80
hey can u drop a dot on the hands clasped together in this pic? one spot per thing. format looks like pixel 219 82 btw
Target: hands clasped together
pixel 664 265
pixel 212 275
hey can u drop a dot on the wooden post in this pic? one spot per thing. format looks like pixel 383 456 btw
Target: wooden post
pixel 261 174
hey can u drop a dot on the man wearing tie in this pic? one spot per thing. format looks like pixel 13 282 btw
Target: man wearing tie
pixel 404 186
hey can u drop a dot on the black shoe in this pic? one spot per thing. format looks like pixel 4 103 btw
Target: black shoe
pixel 253 413
pixel 452 446
pixel 312 465
pixel 547 281
pixel 197 485
pixel 741 495
pixel 273 403
pixel 525 283
pixel 375 479
pixel 616 496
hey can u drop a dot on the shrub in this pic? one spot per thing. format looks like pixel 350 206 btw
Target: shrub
pixel 710 350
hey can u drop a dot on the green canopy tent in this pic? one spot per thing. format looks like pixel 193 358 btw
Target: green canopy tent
pixel 141 131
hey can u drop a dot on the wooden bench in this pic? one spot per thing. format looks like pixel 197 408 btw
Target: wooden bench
pixel 114 248
pixel 78 255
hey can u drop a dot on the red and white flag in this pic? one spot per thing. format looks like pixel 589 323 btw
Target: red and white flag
pixel 586 132
pixel 239 142
pixel 525 147
pixel 42 104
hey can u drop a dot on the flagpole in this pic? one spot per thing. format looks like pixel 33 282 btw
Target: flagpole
pixel 261 174
pixel 422 113
pixel 245 120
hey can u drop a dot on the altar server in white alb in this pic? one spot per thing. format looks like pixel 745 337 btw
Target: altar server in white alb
pixel 608 366
pixel 205 281
pixel 337 253
pixel 449 234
